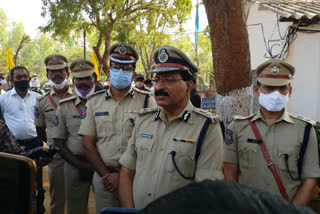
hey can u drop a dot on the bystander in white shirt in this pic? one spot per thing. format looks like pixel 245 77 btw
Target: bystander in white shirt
pixel 19 113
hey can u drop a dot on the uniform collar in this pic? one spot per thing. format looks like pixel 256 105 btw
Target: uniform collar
pixel 285 116
pixel 53 92
pixel 130 92
pixel 185 115
pixel 77 101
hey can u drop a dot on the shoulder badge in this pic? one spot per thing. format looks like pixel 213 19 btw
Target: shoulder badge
pixel 228 137
pixel 36 111
pixel 67 99
pixel 305 119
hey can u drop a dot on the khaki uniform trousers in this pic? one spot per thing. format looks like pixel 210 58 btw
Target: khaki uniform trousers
pixel 77 191
pixel 103 197
pixel 57 191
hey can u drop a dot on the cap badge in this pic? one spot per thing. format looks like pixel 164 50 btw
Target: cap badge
pixel 80 65
pixel 163 56
pixel 54 59
pixel 122 49
pixel 275 70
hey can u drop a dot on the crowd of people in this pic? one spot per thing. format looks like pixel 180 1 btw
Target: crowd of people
pixel 134 145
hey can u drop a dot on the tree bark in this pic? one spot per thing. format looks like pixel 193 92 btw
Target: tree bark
pixel 231 57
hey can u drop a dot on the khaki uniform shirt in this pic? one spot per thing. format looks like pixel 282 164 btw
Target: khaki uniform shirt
pixel 283 137
pixel 68 122
pixel 151 144
pixel 45 112
pixel 111 122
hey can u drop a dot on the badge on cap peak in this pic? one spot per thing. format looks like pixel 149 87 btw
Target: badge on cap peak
pixel 275 70
pixel 163 56
pixel 122 49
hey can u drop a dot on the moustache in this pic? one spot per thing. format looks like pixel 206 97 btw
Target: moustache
pixel 161 93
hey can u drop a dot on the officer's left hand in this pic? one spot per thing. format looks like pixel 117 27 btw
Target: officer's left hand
pixel 112 181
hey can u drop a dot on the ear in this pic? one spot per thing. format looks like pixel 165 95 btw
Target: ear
pixel 190 86
pixel 12 82
pixel 256 90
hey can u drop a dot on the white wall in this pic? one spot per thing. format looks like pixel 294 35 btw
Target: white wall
pixel 304 55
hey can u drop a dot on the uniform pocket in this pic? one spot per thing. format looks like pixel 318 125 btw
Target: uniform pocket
pixel 288 160
pixel 184 158
pixel 247 154
pixel 104 126
pixel 144 148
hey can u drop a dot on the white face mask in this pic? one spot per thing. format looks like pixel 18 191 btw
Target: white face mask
pixel 58 86
pixel 273 101
pixel 3 82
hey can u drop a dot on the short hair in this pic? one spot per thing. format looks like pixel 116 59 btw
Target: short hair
pixel 16 68
pixel 148 81
pixel 222 197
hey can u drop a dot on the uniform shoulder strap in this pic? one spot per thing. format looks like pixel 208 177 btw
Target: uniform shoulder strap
pixel 201 137
pixel 146 101
pixel 304 146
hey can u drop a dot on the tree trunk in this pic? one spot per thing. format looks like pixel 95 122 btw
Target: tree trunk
pixel 231 57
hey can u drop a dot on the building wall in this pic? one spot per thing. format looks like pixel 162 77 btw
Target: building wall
pixel 304 54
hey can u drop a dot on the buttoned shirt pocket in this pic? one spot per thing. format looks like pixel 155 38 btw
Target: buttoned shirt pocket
pixel 184 158
pixel 247 155
pixel 49 114
pixel 144 146
pixel 288 159
pixel 104 125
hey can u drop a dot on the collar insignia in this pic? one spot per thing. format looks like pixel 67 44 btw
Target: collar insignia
pixel 157 116
pixel 186 115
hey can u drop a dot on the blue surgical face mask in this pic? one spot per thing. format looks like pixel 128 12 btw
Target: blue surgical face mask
pixel 120 79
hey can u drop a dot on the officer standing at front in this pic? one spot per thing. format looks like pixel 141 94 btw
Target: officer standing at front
pixel 45 109
pixel 106 126
pixel 283 138
pixel 77 170
pixel 174 144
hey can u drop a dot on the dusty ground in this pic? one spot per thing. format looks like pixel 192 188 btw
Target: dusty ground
pixel 47 196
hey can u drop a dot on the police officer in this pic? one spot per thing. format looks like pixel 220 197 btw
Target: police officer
pixel 174 144
pixel 139 82
pixel 108 123
pixel 272 149
pixel 45 109
pixel 77 171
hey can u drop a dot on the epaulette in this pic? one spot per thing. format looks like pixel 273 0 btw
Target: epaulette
pixel 44 95
pixel 141 91
pixel 147 110
pixel 96 93
pixel 239 117
pixel 305 119
pixel 215 118
pixel 67 99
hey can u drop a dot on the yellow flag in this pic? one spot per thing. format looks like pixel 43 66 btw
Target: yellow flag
pixel 10 62
pixel 94 61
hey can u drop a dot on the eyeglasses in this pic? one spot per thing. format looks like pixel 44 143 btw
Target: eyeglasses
pixel 127 68
pixel 165 80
